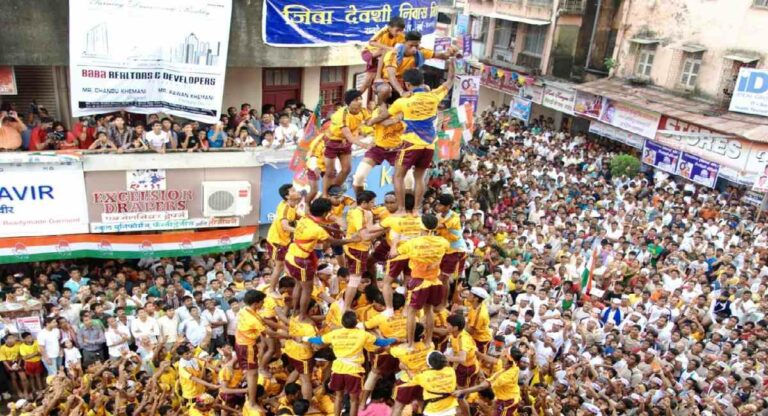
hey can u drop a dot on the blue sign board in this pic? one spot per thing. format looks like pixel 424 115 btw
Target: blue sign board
pixel 698 170
pixel 272 177
pixel 333 22
pixel 661 157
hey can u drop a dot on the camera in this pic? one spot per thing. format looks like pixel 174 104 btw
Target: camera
pixel 56 136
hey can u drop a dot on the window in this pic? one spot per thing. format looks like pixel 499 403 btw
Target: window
pixel 534 40
pixel 505 35
pixel 690 72
pixel 540 3
pixel 281 77
pixel 645 60
pixel 761 3
pixel 332 80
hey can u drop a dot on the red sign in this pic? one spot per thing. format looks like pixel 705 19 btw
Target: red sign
pixel 143 201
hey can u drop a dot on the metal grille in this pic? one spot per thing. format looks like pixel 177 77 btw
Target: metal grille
pixel 221 200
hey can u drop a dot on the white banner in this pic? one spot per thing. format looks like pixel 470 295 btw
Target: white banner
pixel 42 199
pixel 617 134
pixel 761 184
pixel 146 56
pixel 751 92
pixel 559 99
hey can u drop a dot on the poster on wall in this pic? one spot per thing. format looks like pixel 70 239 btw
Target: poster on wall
pixel 761 184
pixel 750 94
pixel 7 81
pixel 117 65
pixel 559 99
pixel 617 134
pixel 43 198
pixel 698 170
pixel 466 89
pixel 660 156
pixel 520 108
pixel 462 24
pixel 295 23
pixel 587 105
pixel 629 118
pixel 145 179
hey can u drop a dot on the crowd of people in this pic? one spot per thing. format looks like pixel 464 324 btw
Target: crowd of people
pixel 525 278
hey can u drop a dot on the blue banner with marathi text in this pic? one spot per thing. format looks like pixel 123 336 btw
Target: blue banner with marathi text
pixel 333 22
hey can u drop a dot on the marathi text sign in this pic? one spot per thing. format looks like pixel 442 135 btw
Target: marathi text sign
pixel 751 92
pixel 520 108
pixel 698 170
pixel 170 224
pixel 559 99
pixel 660 156
pixel 333 22
pixel 630 118
pixel 43 199
pixel 117 65
pixel 617 134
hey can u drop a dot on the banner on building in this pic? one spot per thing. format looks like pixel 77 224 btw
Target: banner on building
pixel 617 134
pixel 520 108
pixel 7 81
pixel 119 61
pixel 462 24
pixel 466 89
pixel 42 194
pixel 698 170
pixel 535 93
pixel 750 94
pixel 559 99
pixel 660 156
pixel 629 118
pixel 333 22
pixel 19 250
pixel 761 184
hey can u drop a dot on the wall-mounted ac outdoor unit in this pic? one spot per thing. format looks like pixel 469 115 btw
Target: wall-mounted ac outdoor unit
pixel 226 199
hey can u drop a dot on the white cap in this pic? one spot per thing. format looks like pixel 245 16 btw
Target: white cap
pixel 616 301
pixel 479 292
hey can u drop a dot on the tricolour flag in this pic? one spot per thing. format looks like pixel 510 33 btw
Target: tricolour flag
pixel 588 273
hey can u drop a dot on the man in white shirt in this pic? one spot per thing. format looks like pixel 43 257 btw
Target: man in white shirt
pixel 743 307
pixel 70 311
pixel 218 322
pixel 194 328
pixel 50 349
pixel 169 326
pixel 145 326
pixel 156 138
pixel 286 134
pixel 118 337
pixel 234 308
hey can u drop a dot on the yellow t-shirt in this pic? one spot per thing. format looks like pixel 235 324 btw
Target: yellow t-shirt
pixel 276 234
pixel 464 342
pixel 385 38
pixel 404 227
pixel 317 150
pixel 344 118
pixel 419 113
pixel 348 345
pixel 388 137
pixel 414 360
pixel 189 388
pixel 452 231
pixel 307 235
pixel 25 349
pixel 438 383
pixel 249 327
pixel 390 327
pixel 9 353
pixel 251 411
pixel 297 328
pixel 338 210
pixel 333 317
pixel 408 62
pixel 233 377
pixel 270 304
pixel 380 212
pixel 480 320
pixel 504 384
pixel 424 254
pixel 357 219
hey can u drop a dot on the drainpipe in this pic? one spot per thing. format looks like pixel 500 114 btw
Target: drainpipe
pixel 620 36
pixel 594 32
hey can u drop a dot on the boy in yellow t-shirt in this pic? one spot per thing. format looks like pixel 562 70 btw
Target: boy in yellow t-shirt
pixel 342 134
pixel 356 254
pixel 380 43
pixel 438 384
pixel 279 235
pixel 29 350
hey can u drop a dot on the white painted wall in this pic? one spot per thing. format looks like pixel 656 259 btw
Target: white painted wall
pixel 242 85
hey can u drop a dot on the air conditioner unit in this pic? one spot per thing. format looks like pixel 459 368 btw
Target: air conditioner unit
pixel 226 198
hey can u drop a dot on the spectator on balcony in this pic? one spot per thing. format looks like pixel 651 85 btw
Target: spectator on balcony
pixel 244 139
pixel 102 143
pixel 167 126
pixel 57 138
pixel 190 141
pixel 267 122
pixel 139 128
pixel 216 135
pixel 38 136
pixel 118 132
pixel 137 143
pixel 267 138
pixel 286 134
pixel 102 123
pixel 11 128
pixel 85 131
pixel 157 139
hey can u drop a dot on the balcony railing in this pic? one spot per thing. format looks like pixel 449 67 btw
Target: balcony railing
pixel 572 6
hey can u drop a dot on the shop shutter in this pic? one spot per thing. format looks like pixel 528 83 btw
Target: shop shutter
pixel 34 83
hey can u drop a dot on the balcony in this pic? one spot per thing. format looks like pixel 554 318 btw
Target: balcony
pixel 572 7
pixel 532 62
pixel 501 54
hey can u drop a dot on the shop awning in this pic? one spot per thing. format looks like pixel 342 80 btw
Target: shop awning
pixel 754 128
pixel 520 19
pixel 644 41
pixel 691 48
pixel 745 59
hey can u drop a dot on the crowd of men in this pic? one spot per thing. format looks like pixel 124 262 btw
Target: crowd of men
pixel 523 279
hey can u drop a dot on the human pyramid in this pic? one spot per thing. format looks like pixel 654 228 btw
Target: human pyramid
pixel 376 333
